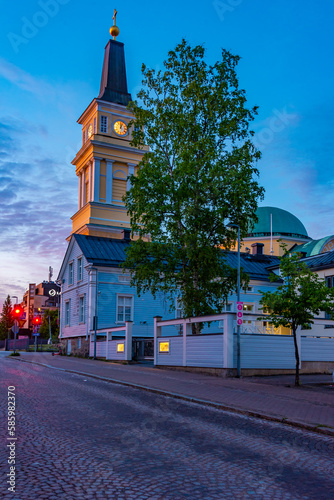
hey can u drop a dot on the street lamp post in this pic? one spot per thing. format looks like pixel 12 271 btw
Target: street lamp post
pixel 238 300
pixel 59 296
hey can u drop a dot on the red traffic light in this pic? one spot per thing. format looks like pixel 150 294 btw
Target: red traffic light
pixel 17 311
pixel 37 320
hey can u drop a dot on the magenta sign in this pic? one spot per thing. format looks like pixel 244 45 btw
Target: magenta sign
pixel 240 312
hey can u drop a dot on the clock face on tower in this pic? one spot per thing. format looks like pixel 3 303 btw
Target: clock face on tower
pixel 90 131
pixel 120 128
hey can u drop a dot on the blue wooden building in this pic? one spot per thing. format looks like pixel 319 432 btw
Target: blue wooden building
pixel 95 289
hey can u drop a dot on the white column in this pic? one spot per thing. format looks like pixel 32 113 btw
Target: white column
pixel 95 180
pixel 228 341
pixel 83 189
pixel 89 167
pixel 157 335
pixel 109 181
pixel 128 341
pixel 131 172
pixel 80 191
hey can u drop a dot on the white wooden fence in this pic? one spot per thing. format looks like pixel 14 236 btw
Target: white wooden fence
pixel 113 349
pixel 258 351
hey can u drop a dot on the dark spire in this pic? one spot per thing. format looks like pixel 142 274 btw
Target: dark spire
pixel 113 82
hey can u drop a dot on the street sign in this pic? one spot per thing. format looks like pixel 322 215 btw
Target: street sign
pixel 35 334
pixel 240 312
pixel 15 329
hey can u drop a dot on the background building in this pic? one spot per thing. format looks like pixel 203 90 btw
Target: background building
pixel 274 227
pixel 36 300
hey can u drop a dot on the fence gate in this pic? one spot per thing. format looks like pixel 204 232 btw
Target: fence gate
pixel 143 349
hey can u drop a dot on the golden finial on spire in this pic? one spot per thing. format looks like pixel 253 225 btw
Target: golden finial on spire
pixel 114 30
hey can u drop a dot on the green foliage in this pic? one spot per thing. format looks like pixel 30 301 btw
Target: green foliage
pixel 197 174
pixel 44 328
pixel 6 321
pixel 302 296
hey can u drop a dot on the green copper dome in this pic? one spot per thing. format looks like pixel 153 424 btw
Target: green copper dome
pixel 315 247
pixel 284 223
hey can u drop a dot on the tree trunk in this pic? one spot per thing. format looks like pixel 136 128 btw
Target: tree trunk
pixel 297 381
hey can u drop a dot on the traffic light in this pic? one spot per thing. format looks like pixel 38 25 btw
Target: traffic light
pixel 37 320
pixel 17 311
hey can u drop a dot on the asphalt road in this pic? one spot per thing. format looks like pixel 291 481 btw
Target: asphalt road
pixel 80 438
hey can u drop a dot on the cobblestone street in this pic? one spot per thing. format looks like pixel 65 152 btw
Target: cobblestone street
pixel 80 438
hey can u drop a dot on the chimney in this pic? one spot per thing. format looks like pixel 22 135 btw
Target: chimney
pixel 126 235
pixel 257 248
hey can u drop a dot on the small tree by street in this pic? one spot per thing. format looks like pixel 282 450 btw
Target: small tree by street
pixel 198 175
pixel 44 328
pixel 302 296
pixel 6 321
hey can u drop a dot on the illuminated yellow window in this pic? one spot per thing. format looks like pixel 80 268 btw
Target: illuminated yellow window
pixel 164 346
pixel 120 347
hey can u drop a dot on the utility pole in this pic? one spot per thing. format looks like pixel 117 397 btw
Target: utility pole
pixel 236 226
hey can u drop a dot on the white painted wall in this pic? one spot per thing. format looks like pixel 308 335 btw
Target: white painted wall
pixel 201 350
pixel 112 350
pixel 317 349
pixel 206 350
pixel 175 355
pixel 101 349
pixel 265 351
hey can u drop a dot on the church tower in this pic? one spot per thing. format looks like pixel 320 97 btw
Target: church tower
pixel 106 159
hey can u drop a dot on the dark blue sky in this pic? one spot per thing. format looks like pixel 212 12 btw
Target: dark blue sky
pixel 50 67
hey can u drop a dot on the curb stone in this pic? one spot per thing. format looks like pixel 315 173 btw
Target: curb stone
pixel 292 423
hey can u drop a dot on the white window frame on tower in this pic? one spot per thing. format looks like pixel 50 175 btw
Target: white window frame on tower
pixel 104 124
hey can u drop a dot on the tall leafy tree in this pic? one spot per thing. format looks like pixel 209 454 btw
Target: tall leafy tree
pixel 302 296
pixel 6 321
pixel 44 328
pixel 197 174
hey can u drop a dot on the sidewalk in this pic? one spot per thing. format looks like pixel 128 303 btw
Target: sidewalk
pixel 275 398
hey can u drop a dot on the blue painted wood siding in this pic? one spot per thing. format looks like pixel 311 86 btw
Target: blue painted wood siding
pixel 72 293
